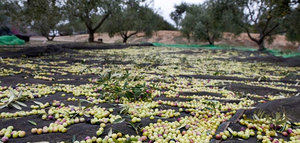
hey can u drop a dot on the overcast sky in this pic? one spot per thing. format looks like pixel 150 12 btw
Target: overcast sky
pixel 165 7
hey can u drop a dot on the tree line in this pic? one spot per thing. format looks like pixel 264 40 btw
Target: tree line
pixel 209 20
pixel 123 17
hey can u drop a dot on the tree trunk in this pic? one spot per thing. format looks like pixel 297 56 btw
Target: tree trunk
pixel 261 42
pixel 90 28
pixel 125 35
pixel 50 38
pixel 125 39
pixel 261 46
pixel 211 41
pixel 91 35
pixel 188 38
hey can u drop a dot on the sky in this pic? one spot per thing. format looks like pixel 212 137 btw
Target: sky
pixel 165 7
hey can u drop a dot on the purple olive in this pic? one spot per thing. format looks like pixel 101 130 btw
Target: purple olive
pixel 187 126
pixel 50 117
pixel 272 126
pixel 178 119
pixel 88 137
pixel 278 127
pixel 289 130
pixel 4 139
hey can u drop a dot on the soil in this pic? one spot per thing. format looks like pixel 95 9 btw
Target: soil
pixel 175 37
pixel 80 131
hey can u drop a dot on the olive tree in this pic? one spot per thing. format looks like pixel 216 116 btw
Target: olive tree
pixel 292 25
pixel 161 23
pixel 41 16
pixel 44 16
pixel 130 20
pixel 3 18
pixel 199 24
pixel 177 15
pixel 12 12
pixel 208 21
pixel 93 13
pixel 265 17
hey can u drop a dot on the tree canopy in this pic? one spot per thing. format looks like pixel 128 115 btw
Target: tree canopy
pixel 45 16
pixel 3 17
pixel 93 13
pixel 130 20
pixel 265 17
pixel 208 21
pixel 177 15
pixel 292 25
pixel 41 16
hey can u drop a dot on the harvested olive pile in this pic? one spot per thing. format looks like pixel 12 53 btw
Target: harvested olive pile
pixel 148 94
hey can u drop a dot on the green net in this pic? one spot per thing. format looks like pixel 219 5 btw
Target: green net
pixel 279 53
pixel 274 52
pixel 11 40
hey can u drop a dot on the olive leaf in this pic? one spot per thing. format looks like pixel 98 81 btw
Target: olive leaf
pixel 284 127
pixel 135 127
pixel 256 117
pixel 130 140
pixel 20 103
pixel 124 109
pixel 16 106
pixel 38 103
pixel 110 132
pixel 74 138
pixel 80 101
pixel 20 95
pixel 87 115
pixel 259 79
pixel 182 126
pixel 12 96
pixel 13 100
pixel 119 120
pixel 230 130
pixel 32 122
pixel 89 105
